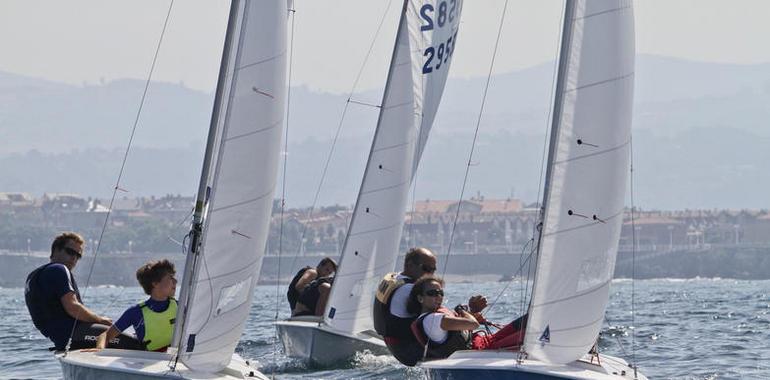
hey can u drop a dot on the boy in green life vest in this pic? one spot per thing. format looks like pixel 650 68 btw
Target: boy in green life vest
pixel 153 320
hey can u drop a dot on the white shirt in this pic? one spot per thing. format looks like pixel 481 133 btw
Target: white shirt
pixel 401 298
pixel 432 326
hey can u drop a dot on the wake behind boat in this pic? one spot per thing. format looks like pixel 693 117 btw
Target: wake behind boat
pixel 232 212
pixel 425 43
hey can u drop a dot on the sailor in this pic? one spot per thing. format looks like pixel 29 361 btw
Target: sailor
pixel 305 276
pixel 54 301
pixel 392 320
pixel 313 299
pixel 441 331
pixel 153 320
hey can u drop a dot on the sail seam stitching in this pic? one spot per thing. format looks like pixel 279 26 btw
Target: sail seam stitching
pixel 582 226
pixel 272 126
pixel 601 82
pixel 375 230
pixel 601 13
pixel 593 154
pixel 389 147
pixel 398 105
pixel 241 203
pixel 385 188
pixel 273 58
pixel 247 268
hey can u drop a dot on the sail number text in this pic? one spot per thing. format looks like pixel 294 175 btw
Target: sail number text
pixel 436 56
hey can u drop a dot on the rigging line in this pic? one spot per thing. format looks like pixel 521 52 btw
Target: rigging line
pixel 122 166
pixel 543 158
pixel 617 337
pixel 475 136
pixel 633 264
pixel 123 289
pixel 337 133
pixel 513 276
pixel 293 13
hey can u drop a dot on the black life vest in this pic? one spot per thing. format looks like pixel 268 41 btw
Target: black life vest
pixel 311 294
pixel 292 294
pixel 455 341
pixel 42 307
pixel 395 331
pixel 385 323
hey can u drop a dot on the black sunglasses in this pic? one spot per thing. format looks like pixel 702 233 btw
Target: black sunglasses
pixel 427 269
pixel 73 252
pixel 434 292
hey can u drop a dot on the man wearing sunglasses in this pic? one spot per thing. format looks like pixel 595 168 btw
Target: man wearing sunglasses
pixel 52 295
pixel 392 320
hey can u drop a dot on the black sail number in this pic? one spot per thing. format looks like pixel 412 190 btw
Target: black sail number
pixel 436 17
pixel 441 54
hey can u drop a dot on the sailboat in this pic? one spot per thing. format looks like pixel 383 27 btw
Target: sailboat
pixel 586 177
pixel 232 212
pixel 425 43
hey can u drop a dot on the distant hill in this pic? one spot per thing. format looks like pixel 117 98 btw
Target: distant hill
pixel 701 137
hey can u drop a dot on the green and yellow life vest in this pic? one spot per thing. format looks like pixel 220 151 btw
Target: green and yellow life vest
pixel 158 326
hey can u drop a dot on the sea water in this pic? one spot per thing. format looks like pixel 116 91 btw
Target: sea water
pixel 683 329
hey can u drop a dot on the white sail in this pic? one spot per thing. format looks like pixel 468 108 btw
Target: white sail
pixel 425 42
pixel 242 183
pixel 588 174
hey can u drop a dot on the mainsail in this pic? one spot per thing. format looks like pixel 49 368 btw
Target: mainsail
pixel 588 171
pixel 242 180
pixel 425 43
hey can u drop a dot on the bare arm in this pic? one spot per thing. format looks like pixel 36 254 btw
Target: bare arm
pixel 464 321
pixel 323 291
pixel 107 336
pixel 306 278
pixel 77 310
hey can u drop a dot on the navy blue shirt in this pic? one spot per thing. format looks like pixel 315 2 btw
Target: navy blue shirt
pixel 44 289
pixel 133 316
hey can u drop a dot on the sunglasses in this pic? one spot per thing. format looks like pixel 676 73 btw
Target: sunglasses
pixel 427 269
pixel 434 293
pixel 73 252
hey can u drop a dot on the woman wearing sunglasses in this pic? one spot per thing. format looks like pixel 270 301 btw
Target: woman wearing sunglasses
pixel 442 331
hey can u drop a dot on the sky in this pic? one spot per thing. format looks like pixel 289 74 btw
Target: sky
pixel 89 41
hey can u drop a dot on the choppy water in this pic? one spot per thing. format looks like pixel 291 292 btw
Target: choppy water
pixel 685 329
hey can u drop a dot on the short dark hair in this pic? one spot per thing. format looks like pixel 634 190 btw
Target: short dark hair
pixel 153 271
pixel 413 306
pixel 61 240
pixel 328 260
pixel 413 255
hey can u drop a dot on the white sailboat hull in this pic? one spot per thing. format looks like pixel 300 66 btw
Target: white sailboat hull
pixel 475 364
pixel 320 345
pixel 116 364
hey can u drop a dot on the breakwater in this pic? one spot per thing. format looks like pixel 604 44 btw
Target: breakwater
pixel 722 262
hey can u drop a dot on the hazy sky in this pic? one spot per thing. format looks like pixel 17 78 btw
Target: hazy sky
pixel 78 41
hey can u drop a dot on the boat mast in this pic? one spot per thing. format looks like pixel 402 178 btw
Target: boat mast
pixel 564 52
pixel 374 140
pixel 196 230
